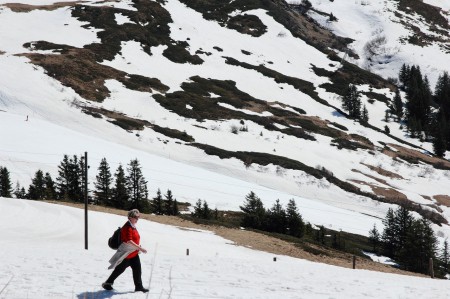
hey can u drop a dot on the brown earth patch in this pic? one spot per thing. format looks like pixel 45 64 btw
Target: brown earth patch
pixel 414 156
pixel 442 200
pixel 392 195
pixel 78 69
pixel 19 7
pixel 258 241
pixel 383 172
pixel 372 177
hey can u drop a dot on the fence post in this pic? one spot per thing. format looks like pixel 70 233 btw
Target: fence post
pixel 354 262
pixel 431 268
pixel 187 251
pixel 275 259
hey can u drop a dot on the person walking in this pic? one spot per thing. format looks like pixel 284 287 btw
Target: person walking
pixel 128 254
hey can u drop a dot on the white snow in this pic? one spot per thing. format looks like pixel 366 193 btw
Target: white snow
pixel 56 127
pixel 42 255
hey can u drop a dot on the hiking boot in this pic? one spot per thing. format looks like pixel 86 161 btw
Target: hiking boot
pixel 141 289
pixel 107 286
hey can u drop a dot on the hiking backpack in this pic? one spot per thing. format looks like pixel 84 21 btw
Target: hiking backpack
pixel 115 240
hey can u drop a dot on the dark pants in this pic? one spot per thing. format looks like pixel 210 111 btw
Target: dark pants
pixel 135 264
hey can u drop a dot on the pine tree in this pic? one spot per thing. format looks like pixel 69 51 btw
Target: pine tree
pixel 206 211
pixel 364 114
pixel 374 238
pixel 198 209
pixel 19 192
pixel 295 224
pixel 157 205
pixel 351 102
pixel 175 208
pixel 442 94
pixel 137 186
pixel 389 234
pixel 276 218
pixel 168 203
pixel 103 192
pixel 254 211
pixel 69 185
pixel 402 222
pixel 120 194
pixel 50 190
pixel 36 190
pixel 445 257
pixel 398 105
pixel 5 183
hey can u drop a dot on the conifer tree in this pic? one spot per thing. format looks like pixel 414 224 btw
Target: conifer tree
pixel 351 102
pixel 120 193
pixel 137 186
pixel 50 190
pixel 445 257
pixel 19 191
pixel 254 211
pixel 398 105
pixel 69 184
pixel 206 211
pixel 276 218
pixel 389 233
pixel 5 183
pixel 103 192
pixel 168 203
pixel 295 224
pixel 157 205
pixel 374 238
pixel 36 190
pixel 364 114
pixel 198 209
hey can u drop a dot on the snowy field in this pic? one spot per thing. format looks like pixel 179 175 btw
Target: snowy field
pixel 42 255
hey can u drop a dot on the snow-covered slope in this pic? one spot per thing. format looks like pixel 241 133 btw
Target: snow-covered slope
pixel 43 256
pixel 38 82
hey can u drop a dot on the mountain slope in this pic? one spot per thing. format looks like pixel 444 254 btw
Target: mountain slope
pixel 248 92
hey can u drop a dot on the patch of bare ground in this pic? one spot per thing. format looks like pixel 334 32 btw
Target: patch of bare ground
pixel 258 241
pixel 391 195
pixel 372 177
pixel 414 156
pixel 19 7
pixel 442 200
pixel 383 172
pixel 78 69
pixel 2 53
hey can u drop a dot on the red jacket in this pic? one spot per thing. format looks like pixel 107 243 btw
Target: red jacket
pixel 128 233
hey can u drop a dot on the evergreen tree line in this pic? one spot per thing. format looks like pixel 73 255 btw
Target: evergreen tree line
pixel 410 242
pixel 123 190
pixel 203 211
pixel 422 120
pixel 276 219
pixel 426 115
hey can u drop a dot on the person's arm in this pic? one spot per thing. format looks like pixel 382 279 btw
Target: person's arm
pixel 138 247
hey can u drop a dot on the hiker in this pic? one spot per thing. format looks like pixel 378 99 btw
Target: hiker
pixel 127 254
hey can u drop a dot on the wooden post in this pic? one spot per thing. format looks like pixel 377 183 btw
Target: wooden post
pixel 431 268
pixel 187 251
pixel 275 259
pixel 354 262
pixel 85 201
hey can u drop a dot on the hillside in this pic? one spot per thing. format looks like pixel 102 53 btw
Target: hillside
pixel 217 99
pixel 50 261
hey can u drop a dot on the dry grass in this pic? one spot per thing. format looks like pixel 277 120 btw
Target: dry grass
pixel 260 242
pixel 443 200
pixel 383 172
pixel 19 7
